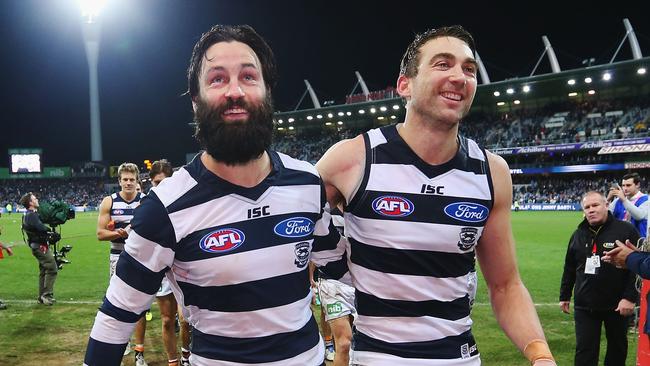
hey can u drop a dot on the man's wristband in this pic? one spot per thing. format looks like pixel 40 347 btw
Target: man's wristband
pixel 537 349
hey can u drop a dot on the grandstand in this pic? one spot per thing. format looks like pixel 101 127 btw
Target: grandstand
pixel 560 132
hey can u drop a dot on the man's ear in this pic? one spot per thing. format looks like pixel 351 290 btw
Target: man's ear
pixel 404 86
pixel 194 107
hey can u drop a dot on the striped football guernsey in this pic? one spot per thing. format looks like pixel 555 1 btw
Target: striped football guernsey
pixel 237 260
pixel 412 230
pixel 122 214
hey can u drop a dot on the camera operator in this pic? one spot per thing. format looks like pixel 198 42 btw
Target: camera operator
pixel 37 237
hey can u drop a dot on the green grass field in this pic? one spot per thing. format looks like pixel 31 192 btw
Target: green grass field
pixel 32 334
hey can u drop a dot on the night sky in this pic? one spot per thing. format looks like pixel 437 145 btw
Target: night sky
pixel 146 46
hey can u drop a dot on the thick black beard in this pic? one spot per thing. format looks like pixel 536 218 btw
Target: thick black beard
pixel 234 143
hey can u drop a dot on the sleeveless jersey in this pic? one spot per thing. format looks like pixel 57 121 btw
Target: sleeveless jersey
pixel 412 230
pixel 236 258
pixel 121 214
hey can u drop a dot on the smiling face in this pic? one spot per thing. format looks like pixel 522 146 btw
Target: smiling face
pixel 445 83
pixel 233 111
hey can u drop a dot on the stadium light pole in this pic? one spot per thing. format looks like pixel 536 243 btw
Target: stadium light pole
pixel 91 28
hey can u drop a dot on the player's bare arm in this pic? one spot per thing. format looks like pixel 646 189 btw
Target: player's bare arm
pixel 103 233
pixel 341 169
pixel 511 302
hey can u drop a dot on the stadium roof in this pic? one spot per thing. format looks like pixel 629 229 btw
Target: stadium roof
pixel 626 79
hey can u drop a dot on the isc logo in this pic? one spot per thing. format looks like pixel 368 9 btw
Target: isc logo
pixel 118 212
pixel 392 206
pixel 222 240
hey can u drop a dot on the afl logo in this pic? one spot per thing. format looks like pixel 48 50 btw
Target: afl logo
pixel 394 206
pixel 222 240
pixel 294 227
pixel 467 211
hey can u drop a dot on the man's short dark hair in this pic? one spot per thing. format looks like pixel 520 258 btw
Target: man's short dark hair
pixel 636 178
pixel 161 166
pixel 26 199
pixel 411 59
pixel 230 33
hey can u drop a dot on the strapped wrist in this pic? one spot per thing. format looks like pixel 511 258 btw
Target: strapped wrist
pixel 537 349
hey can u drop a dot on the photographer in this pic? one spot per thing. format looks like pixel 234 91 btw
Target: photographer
pixel 37 237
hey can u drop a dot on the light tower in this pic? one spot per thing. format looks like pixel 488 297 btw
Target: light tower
pixel 91 28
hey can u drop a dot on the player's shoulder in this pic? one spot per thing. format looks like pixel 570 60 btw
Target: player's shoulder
pixel 345 152
pixel 174 187
pixel 292 163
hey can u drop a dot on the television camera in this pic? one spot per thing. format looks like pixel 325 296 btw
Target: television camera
pixel 56 213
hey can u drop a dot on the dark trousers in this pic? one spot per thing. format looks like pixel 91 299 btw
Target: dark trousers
pixel 588 326
pixel 47 270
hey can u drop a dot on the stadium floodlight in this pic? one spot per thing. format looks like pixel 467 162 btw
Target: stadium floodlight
pixel 341 114
pixel 571 82
pixel 510 91
pixel 517 101
pixel 393 117
pixel 90 9
pixel 280 128
pixel 309 118
pixel 280 121
pixel 501 104
pixel 339 123
pixel 588 80
pixel 383 108
pixel 91 30
pixel 607 76
pixel 591 92
pixel 641 71
pixel 291 120
pixel 573 94
pixel 361 111
pixel 330 115
pixel 496 93
pixel 526 88
pixel 319 116
pixel 328 123
pixel 348 113
pixel 373 110
pixel 395 107
pixel 291 127
pixel 381 118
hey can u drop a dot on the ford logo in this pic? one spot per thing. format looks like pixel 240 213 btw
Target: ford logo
pixel 294 227
pixel 392 206
pixel 222 240
pixel 467 211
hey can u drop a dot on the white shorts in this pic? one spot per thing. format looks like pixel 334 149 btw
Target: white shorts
pixel 165 288
pixel 112 264
pixel 336 298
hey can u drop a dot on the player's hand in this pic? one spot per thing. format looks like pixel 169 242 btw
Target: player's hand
pixel 122 233
pixel 564 306
pixel 544 362
pixel 625 307
pixel 9 250
pixel 618 255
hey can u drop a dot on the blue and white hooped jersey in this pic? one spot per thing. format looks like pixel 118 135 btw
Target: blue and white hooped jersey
pixel 121 214
pixel 412 230
pixel 237 259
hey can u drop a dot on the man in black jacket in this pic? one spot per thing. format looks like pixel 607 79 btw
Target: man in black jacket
pixel 603 293
pixel 37 234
